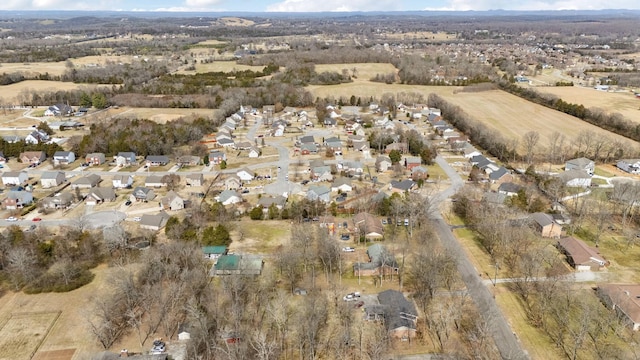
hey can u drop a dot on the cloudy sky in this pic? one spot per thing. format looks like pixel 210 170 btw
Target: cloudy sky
pixel 314 5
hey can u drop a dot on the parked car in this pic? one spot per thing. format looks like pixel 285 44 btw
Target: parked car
pixel 245 191
pixel 344 237
pixel 406 222
pixel 137 218
pixel 12 218
pixel 305 182
pixel 128 203
pixel 36 219
pixel 349 297
pixel 348 249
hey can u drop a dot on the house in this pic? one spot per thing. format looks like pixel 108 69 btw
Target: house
pixel 33 157
pixel 309 148
pixel 154 222
pixel 98 195
pixel 419 173
pixel 412 161
pixel 157 160
pixel 188 160
pixel 51 179
pixel 401 186
pixel 580 255
pixel 321 173
pixel 63 158
pixel 500 176
pixel 353 168
pixel 59 110
pixel 544 225
pixel 214 252
pixel 237 265
pixel 59 201
pixel 36 137
pixel 14 178
pixel 319 192
pixel 624 299
pixel 226 143
pixel 335 147
pixel 329 121
pixel 87 182
pixel 267 201
pixel 17 199
pixel 125 158
pixel 361 145
pixel 232 182
pixel 143 194
pixel 122 181
pixel 243 145
pixel 368 226
pixel 216 157
pixel 245 174
pixel 154 181
pixel 307 139
pixel 631 166
pixel 172 201
pixel 254 152
pixel 342 185
pixel 509 189
pixel 228 197
pixel 95 159
pixel 581 164
pixel 184 332
pixel 575 178
pixel 381 262
pixel 383 163
pixel 399 314
pixel 194 179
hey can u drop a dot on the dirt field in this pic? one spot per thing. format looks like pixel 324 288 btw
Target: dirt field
pixel 513 116
pixel 10 93
pixel 364 71
pixel 224 66
pixel 365 88
pixel 624 103
pixel 22 333
pixel 421 35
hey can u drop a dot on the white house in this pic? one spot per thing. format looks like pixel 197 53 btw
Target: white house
pixel 254 152
pixel 125 158
pixel 36 137
pixel 342 185
pixel 575 178
pixel 245 174
pixel 14 177
pixel 51 179
pixel 228 197
pixel 581 164
pixel 122 181
pixel 322 193
pixel 63 157
pixel 631 166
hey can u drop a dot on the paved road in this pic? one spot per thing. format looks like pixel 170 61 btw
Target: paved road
pixel 503 335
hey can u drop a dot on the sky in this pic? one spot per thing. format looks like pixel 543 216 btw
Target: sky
pixel 315 5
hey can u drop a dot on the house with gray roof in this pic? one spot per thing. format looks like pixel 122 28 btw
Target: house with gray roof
pixel 575 178
pixel 95 159
pixel 582 163
pixel 87 182
pixel 195 179
pixel 98 195
pixel 59 201
pixel 229 197
pixel 509 189
pixel 172 201
pixel 63 158
pixel 381 262
pixel 319 192
pixel 125 158
pixel 157 160
pixel 51 179
pixel 143 194
pixel 154 222
pixel 400 314
pixel 401 186
pixel 17 199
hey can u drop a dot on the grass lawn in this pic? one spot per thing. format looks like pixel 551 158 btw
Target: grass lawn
pixel 477 254
pixel 264 236
pixel 602 172
pixel 598 182
pixel 435 172
pixel 534 340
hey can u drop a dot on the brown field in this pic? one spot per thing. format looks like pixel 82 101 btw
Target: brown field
pixel 224 66
pixel 513 117
pixel 365 88
pixel 22 334
pixel 9 93
pixel 624 103
pixel 161 116
pixel 66 354
pixel 365 71
pixel 235 21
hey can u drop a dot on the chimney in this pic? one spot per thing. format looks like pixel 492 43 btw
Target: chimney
pixel 124 353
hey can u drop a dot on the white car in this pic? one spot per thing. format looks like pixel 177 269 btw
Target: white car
pixel 348 249
pixel 137 218
pixel 12 218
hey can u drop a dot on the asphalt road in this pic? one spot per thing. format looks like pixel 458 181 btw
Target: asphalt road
pixel 504 337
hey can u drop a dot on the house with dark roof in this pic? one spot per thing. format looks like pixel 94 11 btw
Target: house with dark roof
pixel 87 182
pixel 509 189
pixel 580 255
pixel 17 199
pixel 99 195
pixel 143 194
pixel 157 160
pixel 368 226
pixel 500 176
pixel 216 157
pixel 398 313
pixel 401 186
pixel 95 159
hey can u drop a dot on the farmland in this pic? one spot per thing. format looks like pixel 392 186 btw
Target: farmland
pixel 22 334
pixel 364 71
pixel 11 93
pixel 624 103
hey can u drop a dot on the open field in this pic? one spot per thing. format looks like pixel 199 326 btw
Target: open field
pixel 365 88
pixel 364 71
pixel 262 237
pixel 22 334
pixel 420 35
pixel 512 116
pixel 624 103
pixel 10 93
pixel 223 66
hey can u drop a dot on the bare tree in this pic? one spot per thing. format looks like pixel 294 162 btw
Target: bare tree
pixel 529 141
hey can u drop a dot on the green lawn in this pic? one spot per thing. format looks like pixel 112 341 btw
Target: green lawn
pixel 600 172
